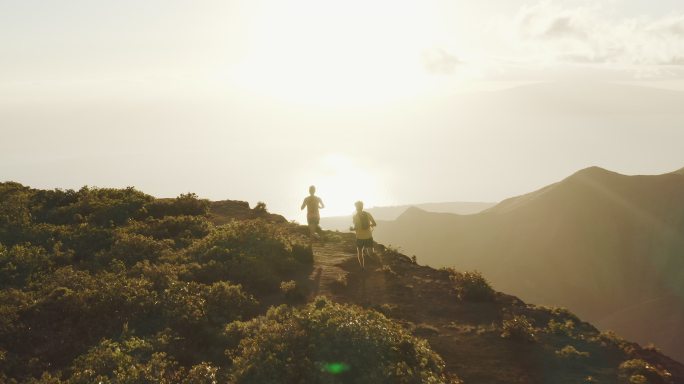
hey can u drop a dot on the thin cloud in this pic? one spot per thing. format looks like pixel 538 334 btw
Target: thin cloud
pixel 672 25
pixel 564 27
pixel 585 35
pixel 440 62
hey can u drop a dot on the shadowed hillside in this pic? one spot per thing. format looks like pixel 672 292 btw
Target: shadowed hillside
pixel 606 245
pixel 115 286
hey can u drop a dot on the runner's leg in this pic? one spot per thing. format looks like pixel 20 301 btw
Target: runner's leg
pixel 359 255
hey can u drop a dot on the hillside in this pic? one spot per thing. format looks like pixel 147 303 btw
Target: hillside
pixel 341 223
pixel 115 286
pixel 601 243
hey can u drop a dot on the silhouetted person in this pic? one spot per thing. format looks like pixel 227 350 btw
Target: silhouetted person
pixel 313 204
pixel 363 226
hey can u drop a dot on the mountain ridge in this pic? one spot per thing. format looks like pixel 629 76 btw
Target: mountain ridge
pixel 383 213
pixel 594 242
pixel 679 171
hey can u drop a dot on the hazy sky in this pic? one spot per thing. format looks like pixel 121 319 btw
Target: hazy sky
pixel 387 101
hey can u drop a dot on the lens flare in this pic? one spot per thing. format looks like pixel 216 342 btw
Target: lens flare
pixel 335 368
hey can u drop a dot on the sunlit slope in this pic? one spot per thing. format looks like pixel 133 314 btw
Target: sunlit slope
pixel 597 242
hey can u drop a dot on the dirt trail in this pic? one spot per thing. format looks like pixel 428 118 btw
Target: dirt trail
pixel 328 258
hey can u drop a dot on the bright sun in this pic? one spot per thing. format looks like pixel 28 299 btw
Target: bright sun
pixel 337 53
pixel 340 182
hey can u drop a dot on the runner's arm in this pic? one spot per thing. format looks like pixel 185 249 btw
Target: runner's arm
pixel 303 204
pixel 372 220
pixel 320 203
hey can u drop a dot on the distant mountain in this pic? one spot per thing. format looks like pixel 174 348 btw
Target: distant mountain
pixel 608 246
pixel 341 223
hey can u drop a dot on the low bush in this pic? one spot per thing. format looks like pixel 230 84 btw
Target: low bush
pixel 189 304
pixel 471 286
pixel 565 328
pixel 20 262
pixel 131 361
pixel 260 208
pixel 255 253
pixel 293 291
pixel 181 229
pixel 184 205
pixel 519 328
pixel 326 342
pixel 570 352
pixel 640 371
pixel 132 248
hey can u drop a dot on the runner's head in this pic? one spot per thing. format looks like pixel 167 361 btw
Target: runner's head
pixel 312 189
pixel 359 205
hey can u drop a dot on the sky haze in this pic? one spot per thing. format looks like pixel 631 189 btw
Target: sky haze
pixel 387 102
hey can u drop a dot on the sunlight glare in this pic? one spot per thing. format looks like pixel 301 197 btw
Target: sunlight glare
pixel 341 182
pixel 337 52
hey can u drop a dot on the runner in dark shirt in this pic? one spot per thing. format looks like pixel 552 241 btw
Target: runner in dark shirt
pixel 313 204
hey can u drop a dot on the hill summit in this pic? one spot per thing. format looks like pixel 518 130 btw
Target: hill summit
pixel 679 171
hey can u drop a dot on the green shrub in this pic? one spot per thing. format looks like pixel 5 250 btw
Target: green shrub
pixel 13 302
pixel 109 206
pixel 107 358
pixel 188 304
pixel 227 302
pixel 519 328
pixel 85 240
pixel 181 229
pixel 255 237
pixel 293 291
pixel 302 253
pixel 565 328
pixel 255 253
pixel 96 206
pixel 471 286
pixel 20 262
pixel 640 371
pixel 203 373
pixel 186 204
pixel 131 361
pixel 72 309
pixel 570 352
pixel 610 338
pixel 326 342
pixel 15 214
pixel 638 379
pixel 132 248
pixel 80 267
pixel 161 275
pixel 260 208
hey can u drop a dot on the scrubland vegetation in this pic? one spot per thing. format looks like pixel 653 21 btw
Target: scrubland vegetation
pixel 115 286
